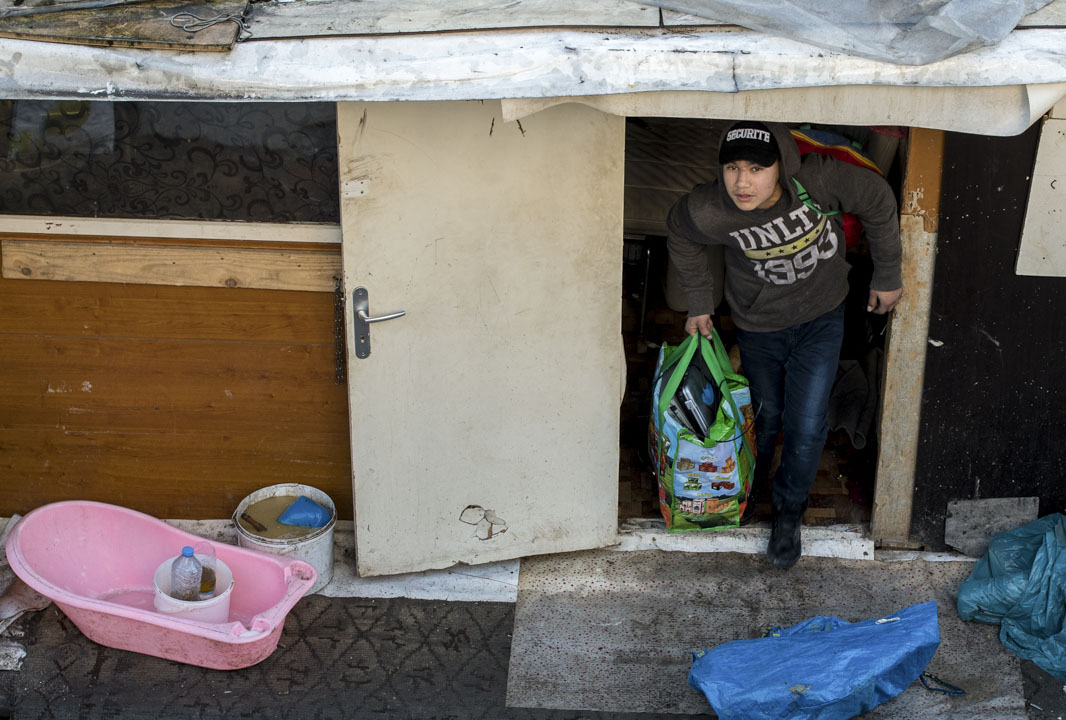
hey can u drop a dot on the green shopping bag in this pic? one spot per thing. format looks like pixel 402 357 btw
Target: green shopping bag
pixel 704 471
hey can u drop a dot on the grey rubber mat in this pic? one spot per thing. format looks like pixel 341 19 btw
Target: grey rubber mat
pixel 615 631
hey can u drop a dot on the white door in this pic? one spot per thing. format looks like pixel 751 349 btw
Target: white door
pixel 484 422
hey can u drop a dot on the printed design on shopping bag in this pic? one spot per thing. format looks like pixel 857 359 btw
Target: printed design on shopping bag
pixel 707 497
pixel 704 472
pixel 700 506
pixel 700 436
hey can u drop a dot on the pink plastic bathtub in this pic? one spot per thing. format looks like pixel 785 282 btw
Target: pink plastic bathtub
pixel 96 562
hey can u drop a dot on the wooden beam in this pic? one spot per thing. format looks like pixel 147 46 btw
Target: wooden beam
pixel 904 370
pixel 170 242
pixel 386 17
pixel 283 269
pixel 141 25
pixel 101 229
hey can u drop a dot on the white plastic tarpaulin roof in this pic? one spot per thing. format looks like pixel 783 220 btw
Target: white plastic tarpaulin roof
pixel 645 65
pixel 909 32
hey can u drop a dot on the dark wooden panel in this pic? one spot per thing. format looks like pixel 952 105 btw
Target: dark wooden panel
pixel 159 385
pixel 174 401
pixel 156 311
pixel 994 403
pixel 183 474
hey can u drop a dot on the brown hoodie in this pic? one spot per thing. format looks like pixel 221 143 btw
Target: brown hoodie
pixel 784 265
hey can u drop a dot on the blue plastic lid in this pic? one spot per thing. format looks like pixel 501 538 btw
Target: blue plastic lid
pixel 187 551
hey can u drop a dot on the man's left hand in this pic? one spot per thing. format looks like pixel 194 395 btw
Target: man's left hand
pixel 883 301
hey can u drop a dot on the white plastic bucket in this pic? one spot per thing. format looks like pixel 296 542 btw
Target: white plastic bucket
pixel 315 548
pixel 213 610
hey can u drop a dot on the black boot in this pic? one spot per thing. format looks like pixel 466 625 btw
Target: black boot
pixel 784 548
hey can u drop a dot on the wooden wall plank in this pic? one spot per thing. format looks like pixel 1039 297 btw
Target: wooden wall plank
pixel 119 241
pixel 85 309
pixel 109 229
pixel 904 368
pixel 380 17
pixel 179 475
pixel 171 265
pixel 83 384
pixel 141 25
pixel 174 401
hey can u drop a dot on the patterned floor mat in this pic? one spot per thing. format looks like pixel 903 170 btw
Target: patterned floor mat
pixel 338 658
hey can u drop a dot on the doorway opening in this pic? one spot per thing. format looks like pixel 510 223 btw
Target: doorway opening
pixel 665 158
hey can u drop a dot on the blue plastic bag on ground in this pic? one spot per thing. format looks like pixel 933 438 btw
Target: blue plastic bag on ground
pixel 824 668
pixel 1020 583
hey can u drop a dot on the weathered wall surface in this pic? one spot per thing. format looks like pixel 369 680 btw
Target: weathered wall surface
pixel 175 401
pixel 994 404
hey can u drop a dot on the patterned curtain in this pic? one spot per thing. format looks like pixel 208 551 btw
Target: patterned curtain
pixel 263 162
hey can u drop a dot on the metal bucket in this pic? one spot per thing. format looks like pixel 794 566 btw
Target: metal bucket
pixel 315 548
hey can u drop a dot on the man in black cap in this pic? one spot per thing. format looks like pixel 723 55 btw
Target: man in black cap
pixel 786 281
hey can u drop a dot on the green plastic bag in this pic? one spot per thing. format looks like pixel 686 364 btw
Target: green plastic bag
pixel 704 477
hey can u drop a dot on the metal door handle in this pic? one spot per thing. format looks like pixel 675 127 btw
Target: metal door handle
pixel 361 314
pixel 363 320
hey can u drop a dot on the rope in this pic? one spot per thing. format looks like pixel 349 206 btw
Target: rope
pixel 192 23
pixel 945 688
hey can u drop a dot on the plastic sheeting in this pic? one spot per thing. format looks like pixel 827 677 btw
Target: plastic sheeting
pixel 1020 583
pixel 305 512
pixel 823 668
pixel 905 32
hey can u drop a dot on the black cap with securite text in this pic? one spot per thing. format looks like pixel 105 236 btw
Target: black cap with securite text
pixel 749 141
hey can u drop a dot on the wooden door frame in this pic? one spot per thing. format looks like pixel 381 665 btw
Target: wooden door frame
pixel 905 348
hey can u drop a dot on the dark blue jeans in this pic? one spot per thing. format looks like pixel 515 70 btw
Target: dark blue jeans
pixel 791 373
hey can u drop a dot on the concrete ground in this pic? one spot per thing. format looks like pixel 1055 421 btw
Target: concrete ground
pixel 493 642
pixel 616 631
